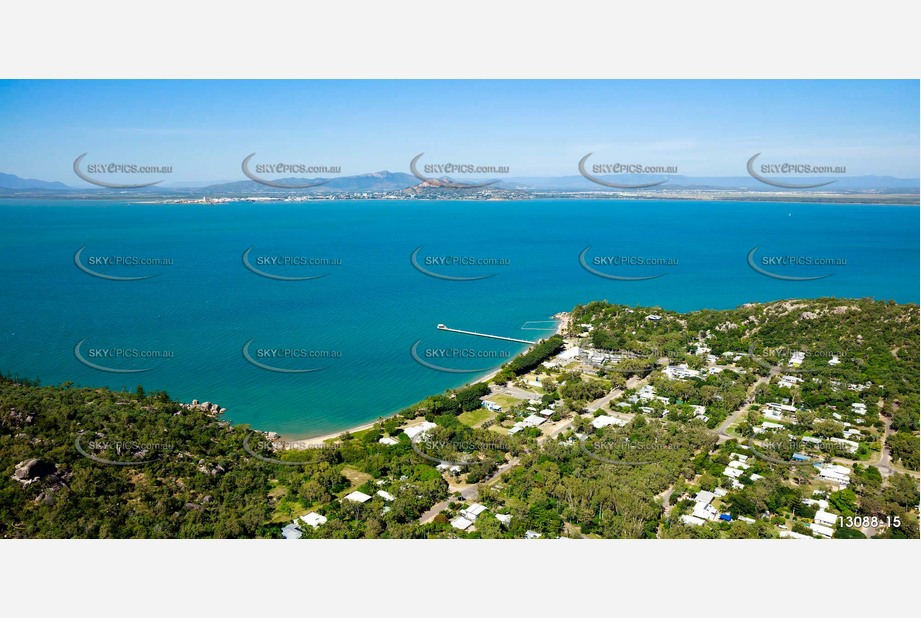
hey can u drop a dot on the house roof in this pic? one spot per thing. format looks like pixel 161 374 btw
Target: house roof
pixel 473 510
pixel 313 519
pixel 704 496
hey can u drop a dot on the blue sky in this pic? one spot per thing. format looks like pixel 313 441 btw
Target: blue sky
pixel 203 129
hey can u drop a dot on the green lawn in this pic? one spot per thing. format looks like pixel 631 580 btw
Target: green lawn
pixel 505 401
pixel 475 417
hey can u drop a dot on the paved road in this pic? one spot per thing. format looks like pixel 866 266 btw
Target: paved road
pixel 467 493
pixel 722 436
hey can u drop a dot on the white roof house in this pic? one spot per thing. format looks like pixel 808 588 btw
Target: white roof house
pixel 782 407
pixel 789 381
pixel 690 520
pixel 386 496
pixel 796 359
pixel 822 530
pixel 313 519
pixel 546 412
pixel 503 518
pixel 732 472
pixel 357 496
pixel 773 414
pixel 679 372
pixel 533 420
pixel 825 518
pixel 388 441
pixel 419 430
pixel 473 511
pixel 291 531
pixel 461 523
pixel 705 497
pixel 789 534
pixel 705 511
pixel 604 421
pixel 822 504
pixel 849 445
pixel 835 473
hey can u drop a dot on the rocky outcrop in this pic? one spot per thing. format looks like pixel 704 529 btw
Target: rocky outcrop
pixel 211 470
pixel 212 409
pixel 31 470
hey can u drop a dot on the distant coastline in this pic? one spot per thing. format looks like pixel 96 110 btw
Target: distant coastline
pixel 856 199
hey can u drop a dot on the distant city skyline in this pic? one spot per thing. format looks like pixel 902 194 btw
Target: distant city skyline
pixel 204 129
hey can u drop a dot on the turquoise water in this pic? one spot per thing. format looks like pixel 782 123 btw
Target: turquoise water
pixel 369 307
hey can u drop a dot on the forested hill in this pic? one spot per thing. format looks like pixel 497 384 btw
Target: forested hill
pixel 91 463
pixel 872 341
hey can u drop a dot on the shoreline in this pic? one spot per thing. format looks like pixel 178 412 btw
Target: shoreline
pixel 562 320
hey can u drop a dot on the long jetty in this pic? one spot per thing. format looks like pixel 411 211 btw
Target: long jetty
pixel 470 332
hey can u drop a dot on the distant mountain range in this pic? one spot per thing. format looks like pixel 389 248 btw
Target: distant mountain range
pixel 377 182
pixel 387 182
pixel 882 184
pixel 15 183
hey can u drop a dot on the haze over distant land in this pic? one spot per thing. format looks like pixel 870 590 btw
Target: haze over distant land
pixel 399 184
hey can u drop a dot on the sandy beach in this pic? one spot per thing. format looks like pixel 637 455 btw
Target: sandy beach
pixel 562 322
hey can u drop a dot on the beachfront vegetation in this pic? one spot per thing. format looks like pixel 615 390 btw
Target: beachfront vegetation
pixel 540 464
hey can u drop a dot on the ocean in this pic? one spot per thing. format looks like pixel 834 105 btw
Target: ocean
pixel 214 320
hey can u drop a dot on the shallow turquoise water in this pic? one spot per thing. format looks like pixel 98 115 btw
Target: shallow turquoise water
pixel 371 305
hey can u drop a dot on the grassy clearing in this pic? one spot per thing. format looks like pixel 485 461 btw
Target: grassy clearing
pixel 475 417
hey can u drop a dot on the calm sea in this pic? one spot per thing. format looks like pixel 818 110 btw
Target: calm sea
pixel 358 322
